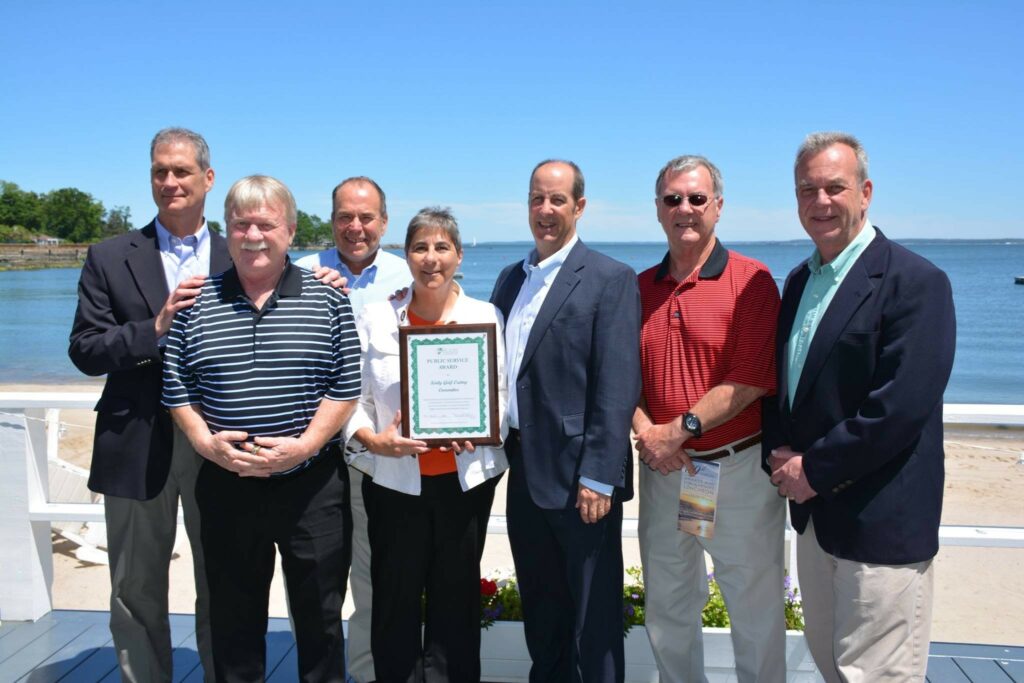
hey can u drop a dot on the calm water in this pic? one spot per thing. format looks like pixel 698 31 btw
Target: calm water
pixel 38 306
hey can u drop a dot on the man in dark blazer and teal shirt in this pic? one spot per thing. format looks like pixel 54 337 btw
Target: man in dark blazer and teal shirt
pixel 854 436
pixel 572 344
pixel 130 288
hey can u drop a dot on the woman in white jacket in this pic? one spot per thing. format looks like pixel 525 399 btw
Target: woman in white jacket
pixel 427 508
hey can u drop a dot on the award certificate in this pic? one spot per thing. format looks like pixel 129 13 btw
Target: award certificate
pixel 449 384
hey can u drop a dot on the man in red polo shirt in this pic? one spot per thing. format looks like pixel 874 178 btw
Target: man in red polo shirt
pixel 707 358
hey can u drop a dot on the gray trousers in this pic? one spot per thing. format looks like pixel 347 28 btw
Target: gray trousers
pixel 140 539
pixel 360 659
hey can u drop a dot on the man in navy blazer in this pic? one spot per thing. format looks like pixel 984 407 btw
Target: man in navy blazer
pixel 854 436
pixel 572 343
pixel 130 288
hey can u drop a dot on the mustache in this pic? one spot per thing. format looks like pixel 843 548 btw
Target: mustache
pixel 249 246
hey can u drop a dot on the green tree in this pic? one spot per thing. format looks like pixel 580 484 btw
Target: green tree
pixel 18 207
pixel 118 221
pixel 14 234
pixel 72 215
pixel 311 230
pixel 214 226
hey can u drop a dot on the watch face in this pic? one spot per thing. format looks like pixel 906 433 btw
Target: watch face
pixel 692 423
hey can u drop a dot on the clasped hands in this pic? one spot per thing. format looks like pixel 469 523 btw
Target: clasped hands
pixel 788 474
pixel 660 447
pixel 260 457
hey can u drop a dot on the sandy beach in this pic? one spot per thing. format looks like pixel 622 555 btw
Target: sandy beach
pixel 979 592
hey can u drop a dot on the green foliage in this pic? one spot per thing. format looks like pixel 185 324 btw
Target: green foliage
pixel 714 613
pixel 312 231
pixel 500 601
pixel 15 234
pixel 117 222
pixel 20 208
pixel 634 597
pixel 214 226
pixel 793 606
pixel 72 215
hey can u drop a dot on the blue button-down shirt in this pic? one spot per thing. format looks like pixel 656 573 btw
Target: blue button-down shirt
pixel 378 280
pixel 183 257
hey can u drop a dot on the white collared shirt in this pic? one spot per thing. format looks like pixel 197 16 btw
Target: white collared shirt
pixel 539 276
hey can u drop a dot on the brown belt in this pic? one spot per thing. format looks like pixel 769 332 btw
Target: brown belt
pixel 730 450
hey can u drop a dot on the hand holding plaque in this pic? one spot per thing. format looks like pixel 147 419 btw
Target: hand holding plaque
pixel 449 384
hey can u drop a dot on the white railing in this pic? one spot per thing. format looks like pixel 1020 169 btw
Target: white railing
pixel 29 439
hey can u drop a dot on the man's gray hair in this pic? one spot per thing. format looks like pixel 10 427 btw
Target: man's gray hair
pixel 254 191
pixel 689 162
pixel 434 217
pixel 817 142
pixel 171 135
pixel 360 179
pixel 577 176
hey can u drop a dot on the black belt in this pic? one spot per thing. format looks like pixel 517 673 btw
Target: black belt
pixel 730 450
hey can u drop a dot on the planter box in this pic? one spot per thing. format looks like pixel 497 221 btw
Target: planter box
pixel 504 659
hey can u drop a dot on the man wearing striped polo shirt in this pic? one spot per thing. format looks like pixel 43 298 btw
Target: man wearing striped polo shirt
pixel 706 352
pixel 260 374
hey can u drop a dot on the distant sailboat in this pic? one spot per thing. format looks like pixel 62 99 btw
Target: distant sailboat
pixel 474 242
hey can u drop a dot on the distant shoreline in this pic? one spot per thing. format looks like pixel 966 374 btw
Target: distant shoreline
pixel 14 257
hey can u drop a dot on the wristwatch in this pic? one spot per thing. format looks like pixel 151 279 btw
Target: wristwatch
pixel 692 424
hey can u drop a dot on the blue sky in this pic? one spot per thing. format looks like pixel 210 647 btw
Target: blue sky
pixel 453 103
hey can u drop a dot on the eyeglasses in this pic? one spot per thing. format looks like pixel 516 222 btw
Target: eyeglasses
pixel 696 199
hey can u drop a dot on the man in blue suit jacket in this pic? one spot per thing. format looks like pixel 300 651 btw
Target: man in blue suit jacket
pixel 572 343
pixel 854 436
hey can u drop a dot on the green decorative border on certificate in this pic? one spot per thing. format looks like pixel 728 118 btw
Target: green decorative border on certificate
pixel 413 341
pixel 414 346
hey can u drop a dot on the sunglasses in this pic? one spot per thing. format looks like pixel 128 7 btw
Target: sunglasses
pixel 674 200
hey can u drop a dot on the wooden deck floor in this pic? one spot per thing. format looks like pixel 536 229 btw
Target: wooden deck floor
pixel 75 647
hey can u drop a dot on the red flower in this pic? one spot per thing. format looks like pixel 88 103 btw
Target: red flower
pixel 488 587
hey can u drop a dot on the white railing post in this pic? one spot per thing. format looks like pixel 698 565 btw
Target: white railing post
pixel 52 433
pixel 26 554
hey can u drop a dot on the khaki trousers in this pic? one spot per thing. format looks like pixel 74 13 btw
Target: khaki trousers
pixel 747 550
pixel 864 622
pixel 140 539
